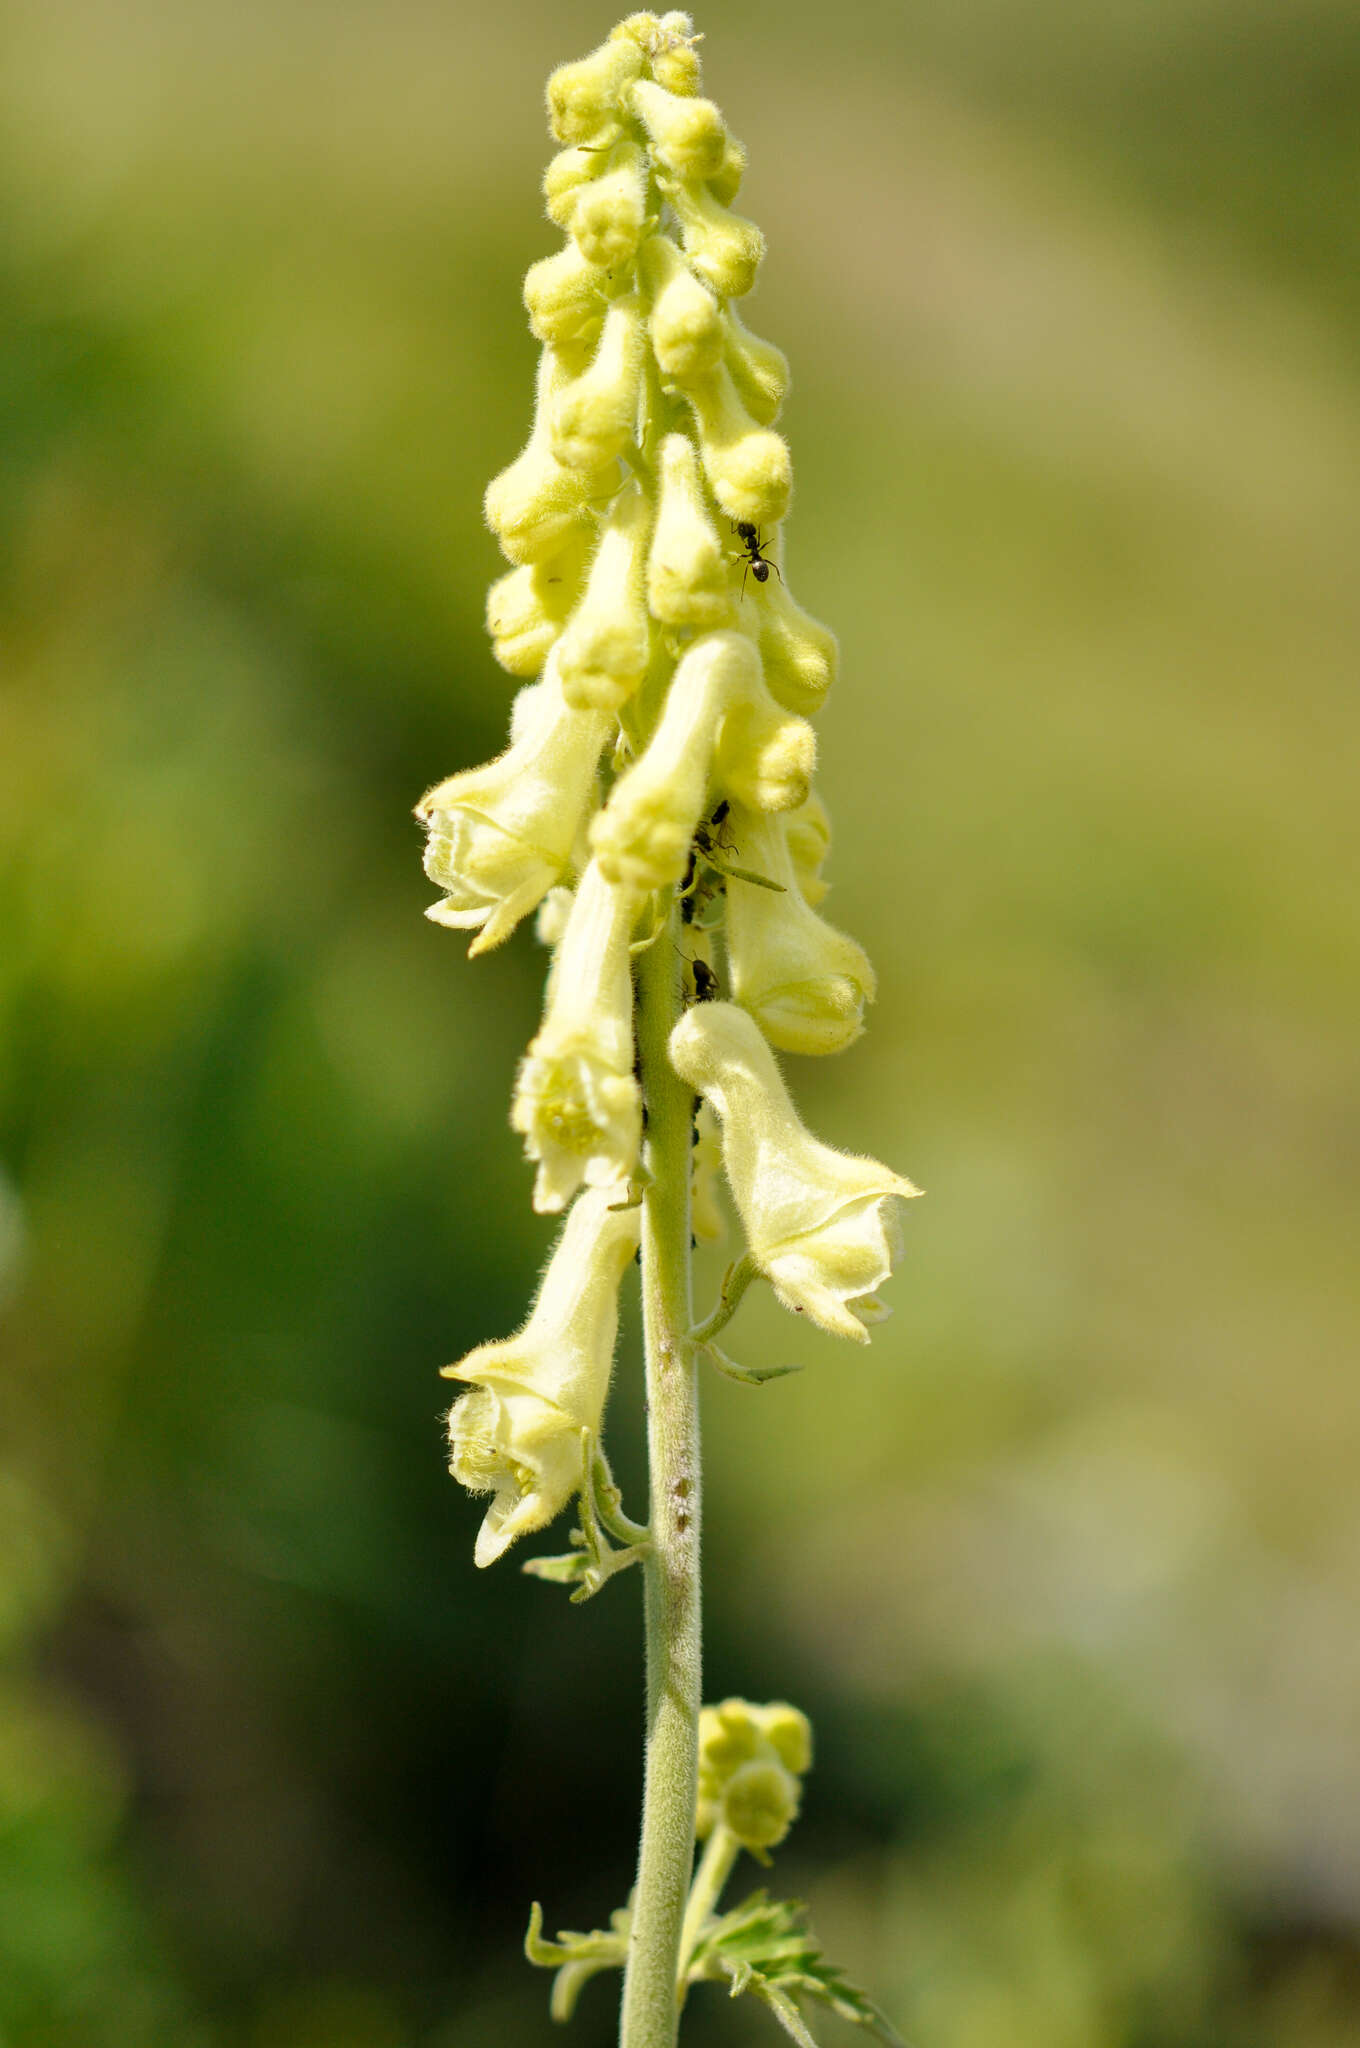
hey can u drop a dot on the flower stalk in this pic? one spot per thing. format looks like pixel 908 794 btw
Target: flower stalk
pixel 656 807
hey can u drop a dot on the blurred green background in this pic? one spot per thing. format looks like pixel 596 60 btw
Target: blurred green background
pixel 1065 1567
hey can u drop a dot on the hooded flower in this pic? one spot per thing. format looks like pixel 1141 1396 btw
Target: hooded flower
pixel 804 982
pixel 642 837
pixel 501 835
pixel 517 1432
pixel 577 1104
pixel 820 1224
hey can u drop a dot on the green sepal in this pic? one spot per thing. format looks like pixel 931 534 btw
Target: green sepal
pixel 593 1559
pixel 746 1375
pixel 764 1946
pixel 576 1957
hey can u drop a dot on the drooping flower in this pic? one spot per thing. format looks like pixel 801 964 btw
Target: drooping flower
pixel 804 982
pixel 501 835
pixel 820 1224
pixel 517 1433
pixel 577 1103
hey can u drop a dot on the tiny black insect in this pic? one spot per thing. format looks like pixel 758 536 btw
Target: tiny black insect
pixel 755 559
pixel 706 983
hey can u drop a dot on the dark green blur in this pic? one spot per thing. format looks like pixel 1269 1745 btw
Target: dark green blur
pixel 1066 1566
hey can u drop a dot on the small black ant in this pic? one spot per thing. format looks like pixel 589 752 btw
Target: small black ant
pixel 706 984
pixel 755 558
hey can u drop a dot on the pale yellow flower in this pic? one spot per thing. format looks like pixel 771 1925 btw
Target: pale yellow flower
pixel 820 1224
pixel 518 1433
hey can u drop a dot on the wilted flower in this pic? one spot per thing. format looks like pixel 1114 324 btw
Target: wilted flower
pixel 577 1104
pixel 518 1432
pixel 501 835
pixel 820 1224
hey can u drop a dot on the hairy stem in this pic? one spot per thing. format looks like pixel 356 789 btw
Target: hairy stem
pixel 651 2011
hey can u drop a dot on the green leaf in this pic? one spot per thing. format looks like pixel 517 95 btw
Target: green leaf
pixel 576 1957
pixel 764 1946
pixel 746 1375
pixel 568 1570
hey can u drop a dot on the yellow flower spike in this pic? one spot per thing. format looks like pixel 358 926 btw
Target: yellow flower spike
pixel 517 1432
pixel 685 325
pixel 608 216
pixel 760 371
pixel 747 466
pixel 805 983
pixel 583 98
pixel 604 652
pixel 642 836
pixel 808 832
pixel 593 417
pixel 577 1103
pixel 534 506
pixel 820 1224
pixel 689 579
pixel 724 247
pixel 527 609
pixel 564 298
pixel 500 836
pixel 765 755
pixel 688 136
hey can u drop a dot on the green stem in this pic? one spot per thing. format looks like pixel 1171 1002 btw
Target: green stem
pixel 715 1867
pixel 651 2009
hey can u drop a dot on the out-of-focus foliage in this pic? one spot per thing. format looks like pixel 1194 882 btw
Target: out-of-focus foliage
pixel 1066 1567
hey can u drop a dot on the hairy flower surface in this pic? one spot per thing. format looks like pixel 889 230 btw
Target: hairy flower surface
pixel 577 1104
pixel 517 1433
pixel 820 1224
pixel 501 835
pixel 804 982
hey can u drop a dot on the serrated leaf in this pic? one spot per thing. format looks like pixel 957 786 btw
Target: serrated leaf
pixel 576 1958
pixel 765 1946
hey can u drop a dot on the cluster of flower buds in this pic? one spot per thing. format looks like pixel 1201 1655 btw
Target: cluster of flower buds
pixel 660 746
pixel 752 1761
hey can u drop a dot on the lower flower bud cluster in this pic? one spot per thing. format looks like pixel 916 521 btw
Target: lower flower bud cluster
pixel 660 751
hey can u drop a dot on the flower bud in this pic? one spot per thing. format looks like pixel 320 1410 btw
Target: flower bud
pixel 642 836
pixel 608 216
pixel 759 370
pixel 526 610
pixel 583 98
pixel 725 182
pixel 820 1224
pixel 748 467
pixel 517 1432
pixel 564 298
pixel 722 246
pixel 500 836
pixel 533 506
pixel 577 1104
pixel 765 756
pixel 751 1762
pixel 688 136
pixel 685 325
pixel 800 655
pixel 568 172
pixel 593 417
pixel 604 651
pixel 689 580
pixel 808 833
pixel 669 46
pixel 805 983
